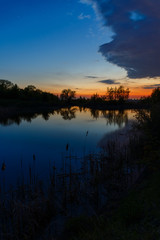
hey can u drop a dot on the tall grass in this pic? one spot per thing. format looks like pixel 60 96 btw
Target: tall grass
pixel 29 207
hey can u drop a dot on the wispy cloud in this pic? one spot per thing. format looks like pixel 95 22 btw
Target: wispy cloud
pixel 91 77
pixel 94 5
pixel 82 16
pixel 109 82
pixel 151 86
pixel 85 1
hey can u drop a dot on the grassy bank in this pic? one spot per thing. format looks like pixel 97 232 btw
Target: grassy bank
pixel 137 216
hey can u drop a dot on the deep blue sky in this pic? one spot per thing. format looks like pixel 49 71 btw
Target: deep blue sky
pixel 55 44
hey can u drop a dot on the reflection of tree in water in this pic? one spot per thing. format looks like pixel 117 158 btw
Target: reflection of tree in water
pixel 29 117
pixel 17 119
pixel 80 108
pixel 84 109
pixel 116 117
pixel 10 121
pixel 46 116
pixel 112 117
pixel 68 113
pixel 95 113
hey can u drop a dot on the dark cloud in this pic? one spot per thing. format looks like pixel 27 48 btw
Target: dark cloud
pixel 91 77
pixel 136 43
pixel 109 81
pixel 152 86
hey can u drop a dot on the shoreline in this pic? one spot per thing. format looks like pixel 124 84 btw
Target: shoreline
pixel 14 108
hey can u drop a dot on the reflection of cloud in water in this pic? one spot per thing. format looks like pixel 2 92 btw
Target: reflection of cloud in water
pixel 122 135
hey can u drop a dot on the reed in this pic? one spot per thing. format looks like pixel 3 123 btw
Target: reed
pixel 30 206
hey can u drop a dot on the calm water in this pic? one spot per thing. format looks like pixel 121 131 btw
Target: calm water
pixel 47 135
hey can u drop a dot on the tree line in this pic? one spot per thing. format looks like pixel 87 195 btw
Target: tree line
pixel 9 90
pixel 113 94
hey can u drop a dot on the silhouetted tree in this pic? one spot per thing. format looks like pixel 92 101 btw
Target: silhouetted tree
pixel 95 97
pixel 110 94
pixel 5 87
pixel 5 84
pixel 120 94
pixel 148 121
pixel 67 95
pixel 14 91
pixel 30 88
pixel 155 96
pixel 97 100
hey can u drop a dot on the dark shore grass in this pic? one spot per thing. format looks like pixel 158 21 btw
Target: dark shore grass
pixel 28 210
pixel 137 216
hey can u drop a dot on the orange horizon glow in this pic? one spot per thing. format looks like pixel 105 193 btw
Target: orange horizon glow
pixel 138 87
pixel 133 95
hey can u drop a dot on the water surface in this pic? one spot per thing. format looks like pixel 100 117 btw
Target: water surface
pixel 47 135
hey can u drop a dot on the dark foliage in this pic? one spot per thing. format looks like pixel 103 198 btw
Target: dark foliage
pixel 148 122
pixel 119 94
pixel 8 90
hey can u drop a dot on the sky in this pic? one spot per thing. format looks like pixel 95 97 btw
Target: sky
pixel 85 45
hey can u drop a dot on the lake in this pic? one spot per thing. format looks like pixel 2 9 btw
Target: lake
pixel 46 139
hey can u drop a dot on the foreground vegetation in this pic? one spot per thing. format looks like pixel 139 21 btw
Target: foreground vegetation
pixel 29 210
pixel 137 215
